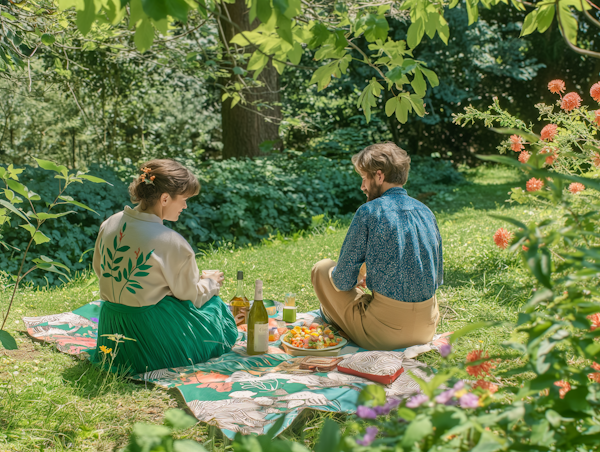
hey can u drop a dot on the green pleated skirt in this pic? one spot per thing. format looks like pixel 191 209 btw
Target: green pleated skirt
pixel 171 333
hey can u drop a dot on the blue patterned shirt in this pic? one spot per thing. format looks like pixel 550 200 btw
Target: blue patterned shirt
pixel 398 238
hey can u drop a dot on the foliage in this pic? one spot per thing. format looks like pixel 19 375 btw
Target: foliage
pixel 16 193
pixel 554 403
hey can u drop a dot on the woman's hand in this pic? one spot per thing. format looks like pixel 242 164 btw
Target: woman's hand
pixel 216 275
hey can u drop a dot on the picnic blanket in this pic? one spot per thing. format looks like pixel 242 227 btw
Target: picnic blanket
pixel 236 392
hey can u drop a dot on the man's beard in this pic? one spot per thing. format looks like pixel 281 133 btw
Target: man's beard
pixel 375 192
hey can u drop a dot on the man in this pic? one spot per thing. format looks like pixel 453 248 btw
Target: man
pixel 397 237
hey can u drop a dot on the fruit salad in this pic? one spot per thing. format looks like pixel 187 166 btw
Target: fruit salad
pixel 316 337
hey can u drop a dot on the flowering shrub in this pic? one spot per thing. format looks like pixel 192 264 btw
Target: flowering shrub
pixel 555 402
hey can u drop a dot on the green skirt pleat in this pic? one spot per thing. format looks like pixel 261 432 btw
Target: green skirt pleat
pixel 171 333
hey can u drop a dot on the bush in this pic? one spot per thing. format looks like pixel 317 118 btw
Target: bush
pixel 241 202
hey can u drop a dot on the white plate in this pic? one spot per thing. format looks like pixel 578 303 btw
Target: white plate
pixel 339 345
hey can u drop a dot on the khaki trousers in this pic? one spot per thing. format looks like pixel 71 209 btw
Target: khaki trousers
pixel 374 322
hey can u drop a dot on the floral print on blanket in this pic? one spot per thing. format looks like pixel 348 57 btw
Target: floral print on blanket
pixel 237 392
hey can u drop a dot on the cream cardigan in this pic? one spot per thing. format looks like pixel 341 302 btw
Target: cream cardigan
pixel 139 261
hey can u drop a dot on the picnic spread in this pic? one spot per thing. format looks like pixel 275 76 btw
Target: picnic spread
pixel 240 393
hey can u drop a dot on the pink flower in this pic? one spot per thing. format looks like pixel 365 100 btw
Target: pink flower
pixel 595 376
pixel 564 386
pixel 516 143
pixel 595 319
pixel 571 101
pixel 576 187
pixel 364 412
pixel 534 184
pixel 478 369
pixel 502 237
pixel 549 132
pixel 595 91
pixel 486 385
pixel 469 401
pixel 524 156
pixel 596 158
pixel 369 436
pixel 525 248
pixel 445 350
pixel 556 86
pixel 597 117
pixel 417 400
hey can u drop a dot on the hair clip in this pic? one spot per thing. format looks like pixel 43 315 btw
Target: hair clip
pixel 143 178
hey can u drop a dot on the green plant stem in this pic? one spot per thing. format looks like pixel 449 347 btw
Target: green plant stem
pixel 12 298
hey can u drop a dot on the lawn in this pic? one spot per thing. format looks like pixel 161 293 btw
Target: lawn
pixel 50 401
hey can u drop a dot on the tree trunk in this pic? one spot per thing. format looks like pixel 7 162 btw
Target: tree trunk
pixel 244 127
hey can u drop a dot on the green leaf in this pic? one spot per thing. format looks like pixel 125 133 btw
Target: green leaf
pixel 263 10
pixel 258 61
pixel 177 9
pixel 431 76
pixel 377 28
pixel 144 35
pixel 390 106
pixel 415 33
pixel 402 110
pixel 545 17
pixel 85 18
pixel 295 55
pixel 432 23
pixel 444 32
pixel 141 274
pixel 418 83
pixel 70 200
pixel 469 329
pixel 140 259
pixel 417 104
pixel 472 10
pixel 52 268
pixel 532 138
pixel 48 216
pixel 569 23
pixel 330 437
pixel 406 413
pixel 136 13
pixel 7 341
pixel 179 420
pixel 130 290
pixel 187 445
pixel 155 9
pixel 93 179
pixel 40 237
pixel 284 29
pixel 372 395
pixel 530 23
pixel 13 209
pixel 320 35
pixel 47 260
pixel 48 39
pixel 29 228
pixel 418 429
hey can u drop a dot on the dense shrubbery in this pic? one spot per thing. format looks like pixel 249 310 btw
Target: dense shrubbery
pixel 241 202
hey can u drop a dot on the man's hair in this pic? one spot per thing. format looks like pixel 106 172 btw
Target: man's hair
pixel 392 160
pixel 162 176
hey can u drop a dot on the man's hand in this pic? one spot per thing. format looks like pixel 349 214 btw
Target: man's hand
pixel 216 275
pixel 362 277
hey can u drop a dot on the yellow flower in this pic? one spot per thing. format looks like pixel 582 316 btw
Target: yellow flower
pixel 105 349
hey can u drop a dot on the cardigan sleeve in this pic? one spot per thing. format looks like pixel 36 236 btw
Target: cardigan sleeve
pixel 186 284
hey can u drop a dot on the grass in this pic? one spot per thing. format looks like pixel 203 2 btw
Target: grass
pixel 52 402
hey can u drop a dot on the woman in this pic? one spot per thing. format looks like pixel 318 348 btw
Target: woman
pixel 153 293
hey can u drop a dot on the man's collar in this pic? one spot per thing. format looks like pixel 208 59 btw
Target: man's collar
pixel 394 191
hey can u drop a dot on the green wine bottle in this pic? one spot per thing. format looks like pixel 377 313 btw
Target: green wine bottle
pixel 258 323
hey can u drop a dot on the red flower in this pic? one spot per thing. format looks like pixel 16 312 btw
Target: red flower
pixel 549 132
pixel 502 237
pixel 525 248
pixel 534 184
pixel 524 156
pixel 570 102
pixel 595 375
pixel 137 253
pixel 596 160
pixel 548 150
pixel 564 387
pixel 121 235
pixel 556 86
pixel 595 319
pixel 597 117
pixel 478 369
pixel 576 187
pixel 516 143
pixel 595 91
pixel 486 385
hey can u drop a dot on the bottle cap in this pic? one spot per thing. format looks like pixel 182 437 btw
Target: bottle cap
pixel 240 275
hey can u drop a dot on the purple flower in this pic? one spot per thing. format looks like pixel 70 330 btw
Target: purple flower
pixel 445 397
pixel 459 385
pixel 369 436
pixel 417 400
pixel 469 401
pixel 365 412
pixel 94 319
pixel 445 350
pixel 389 406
